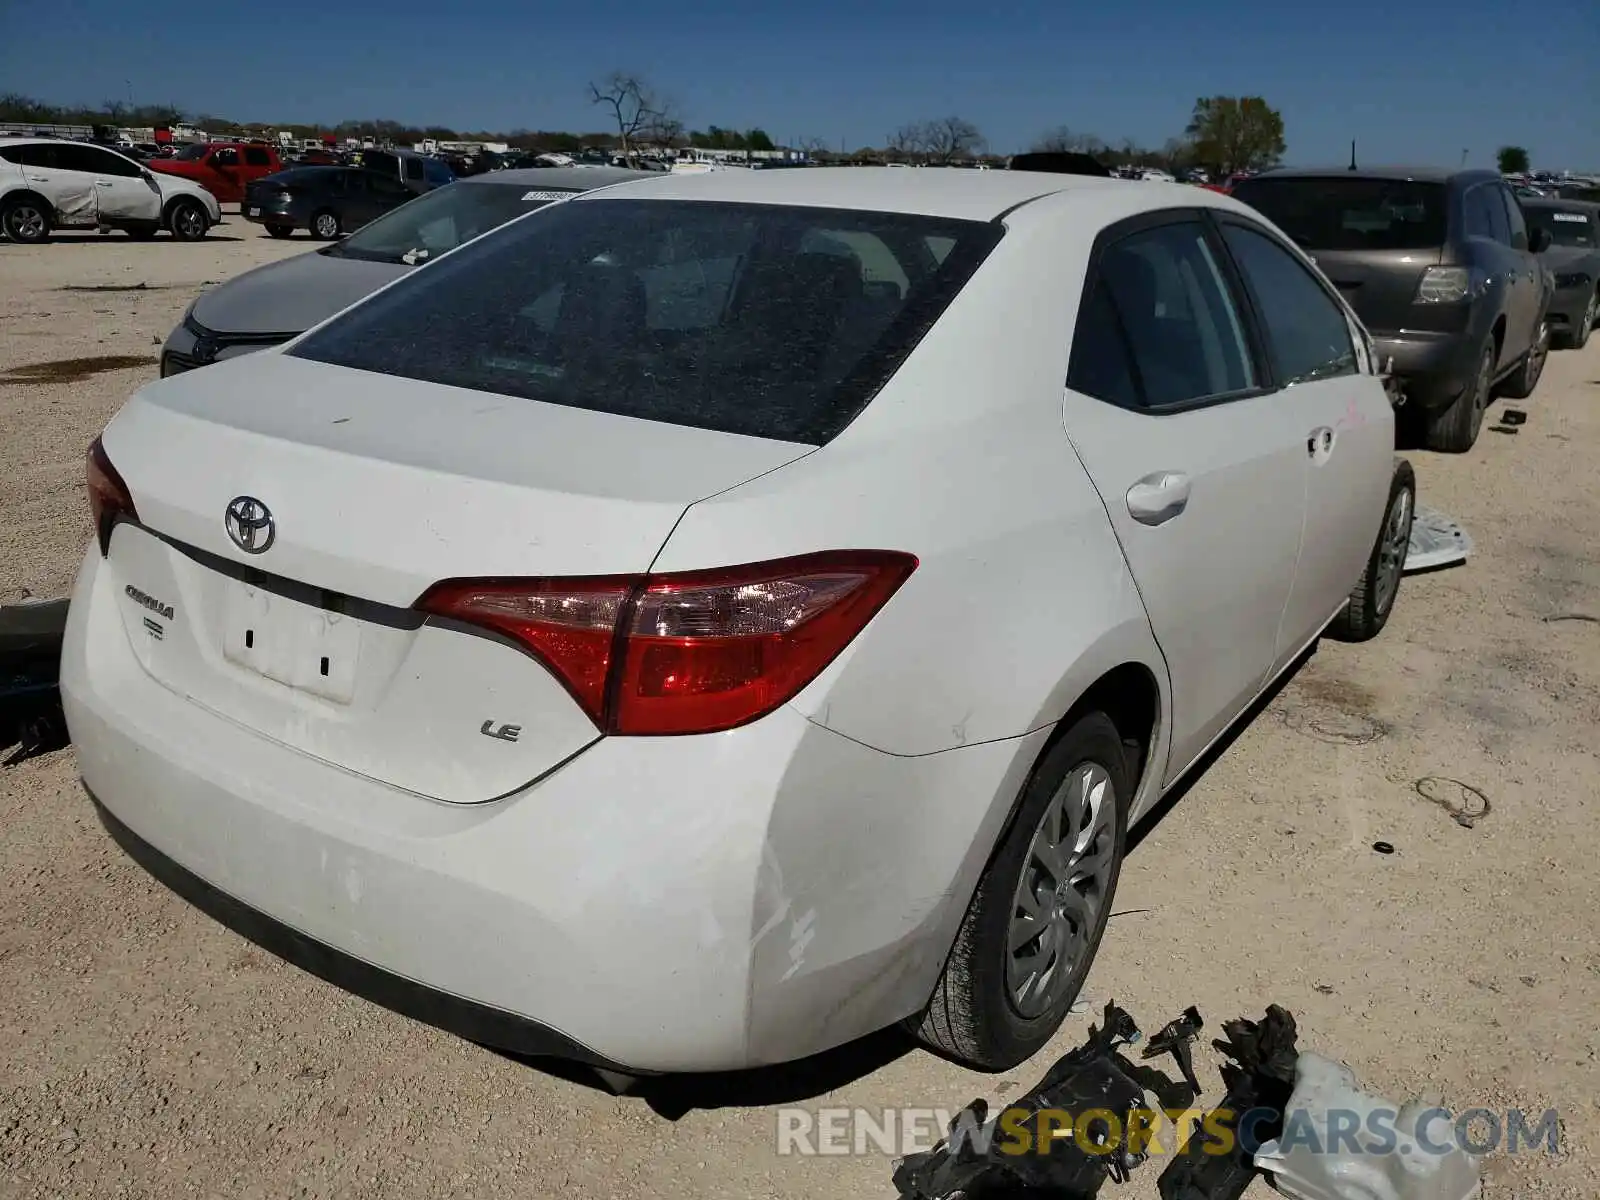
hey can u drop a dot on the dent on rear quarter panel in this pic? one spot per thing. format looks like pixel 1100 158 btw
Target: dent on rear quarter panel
pixel 961 460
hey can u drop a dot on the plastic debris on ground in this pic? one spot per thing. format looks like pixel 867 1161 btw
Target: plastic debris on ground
pixel 31 720
pixel 973 1163
pixel 1316 1167
pixel 1300 1107
pixel 1436 541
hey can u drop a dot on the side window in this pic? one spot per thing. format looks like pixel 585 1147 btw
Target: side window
pixel 1499 222
pixel 1307 331
pixel 39 154
pixel 1102 364
pixel 1186 339
pixel 1475 213
pixel 386 188
pixel 228 156
pixel 257 156
pixel 107 163
pixel 1514 221
pixel 414 169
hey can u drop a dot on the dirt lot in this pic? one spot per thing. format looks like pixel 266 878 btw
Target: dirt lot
pixel 149 1052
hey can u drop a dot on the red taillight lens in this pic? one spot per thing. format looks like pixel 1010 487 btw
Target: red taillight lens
pixel 108 495
pixel 694 652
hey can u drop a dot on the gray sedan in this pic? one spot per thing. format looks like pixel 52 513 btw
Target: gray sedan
pixel 1573 258
pixel 281 300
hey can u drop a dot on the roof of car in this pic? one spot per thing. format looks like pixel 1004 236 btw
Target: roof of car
pixel 968 195
pixel 1417 174
pixel 576 178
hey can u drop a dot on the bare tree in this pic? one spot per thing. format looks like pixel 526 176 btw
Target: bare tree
pixel 907 142
pixel 640 114
pixel 950 139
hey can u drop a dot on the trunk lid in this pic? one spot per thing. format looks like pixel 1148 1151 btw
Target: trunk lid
pixel 379 487
pixel 1381 285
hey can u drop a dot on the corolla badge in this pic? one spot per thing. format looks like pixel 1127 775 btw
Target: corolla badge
pixel 250 524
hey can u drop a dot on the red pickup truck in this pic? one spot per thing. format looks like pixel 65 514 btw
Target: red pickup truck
pixel 223 168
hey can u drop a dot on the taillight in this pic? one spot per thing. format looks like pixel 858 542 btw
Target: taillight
pixel 693 652
pixel 108 495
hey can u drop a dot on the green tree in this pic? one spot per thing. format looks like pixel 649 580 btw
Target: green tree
pixel 757 139
pixel 1513 160
pixel 1236 133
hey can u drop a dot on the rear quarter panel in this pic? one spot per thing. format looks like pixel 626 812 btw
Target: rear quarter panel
pixel 1022 598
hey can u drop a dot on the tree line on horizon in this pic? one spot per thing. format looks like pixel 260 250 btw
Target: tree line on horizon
pixel 1224 133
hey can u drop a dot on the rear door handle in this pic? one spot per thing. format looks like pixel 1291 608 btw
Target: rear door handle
pixel 1157 498
pixel 38 179
pixel 102 183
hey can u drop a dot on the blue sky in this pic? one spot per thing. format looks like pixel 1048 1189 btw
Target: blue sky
pixel 1417 81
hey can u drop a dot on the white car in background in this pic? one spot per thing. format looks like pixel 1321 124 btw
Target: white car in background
pixel 716 617
pixel 52 183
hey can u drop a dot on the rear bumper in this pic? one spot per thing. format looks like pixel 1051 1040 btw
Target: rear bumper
pixel 1432 368
pixel 656 905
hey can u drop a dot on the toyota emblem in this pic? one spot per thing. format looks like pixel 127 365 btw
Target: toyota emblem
pixel 250 524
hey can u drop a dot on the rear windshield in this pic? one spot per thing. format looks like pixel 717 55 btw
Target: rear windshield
pixel 1351 214
pixel 441 220
pixel 764 320
pixel 1567 227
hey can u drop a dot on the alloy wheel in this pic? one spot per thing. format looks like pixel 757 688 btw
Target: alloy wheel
pixel 1392 550
pixel 25 223
pixel 1065 882
pixel 190 221
pixel 327 226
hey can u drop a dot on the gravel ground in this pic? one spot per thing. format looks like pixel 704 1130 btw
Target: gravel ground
pixel 150 1052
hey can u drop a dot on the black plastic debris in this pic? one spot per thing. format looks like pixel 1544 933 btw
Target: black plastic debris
pixel 31 720
pixel 1259 1077
pixel 1094 1076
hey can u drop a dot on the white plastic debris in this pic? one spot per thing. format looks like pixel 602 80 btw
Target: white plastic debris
pixel 1436 541
pixel 1340 1143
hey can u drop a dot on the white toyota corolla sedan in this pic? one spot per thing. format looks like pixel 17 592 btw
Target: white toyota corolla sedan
pixel 716 617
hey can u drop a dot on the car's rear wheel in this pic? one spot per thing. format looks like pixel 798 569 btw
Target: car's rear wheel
pixel 1454 430
pixel 187 220
pixel 325 225
pixel 281 231
pixel 1036 919
pixel 1367 611
pixel 25 220
pixel 1525 378
pixel 1579 338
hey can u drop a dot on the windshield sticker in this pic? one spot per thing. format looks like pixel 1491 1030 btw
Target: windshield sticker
pixel 548 195
pixel 1575 218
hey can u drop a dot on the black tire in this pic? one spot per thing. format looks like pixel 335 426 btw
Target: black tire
pixel 325 225
pixel 1579 337
pixel 1367 611
pixel 971 1017
pixel 1522 382
pixel 281 231
pixel 25 220
pixel 187 220
pixel 1454 430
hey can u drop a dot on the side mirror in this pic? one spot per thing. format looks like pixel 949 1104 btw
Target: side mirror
pixel 1538 240
pixel 147 175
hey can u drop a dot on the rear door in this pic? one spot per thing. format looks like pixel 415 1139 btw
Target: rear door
pixel 1201 467
pixel 70 191
pixel 1345 412
pixel 1530 286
